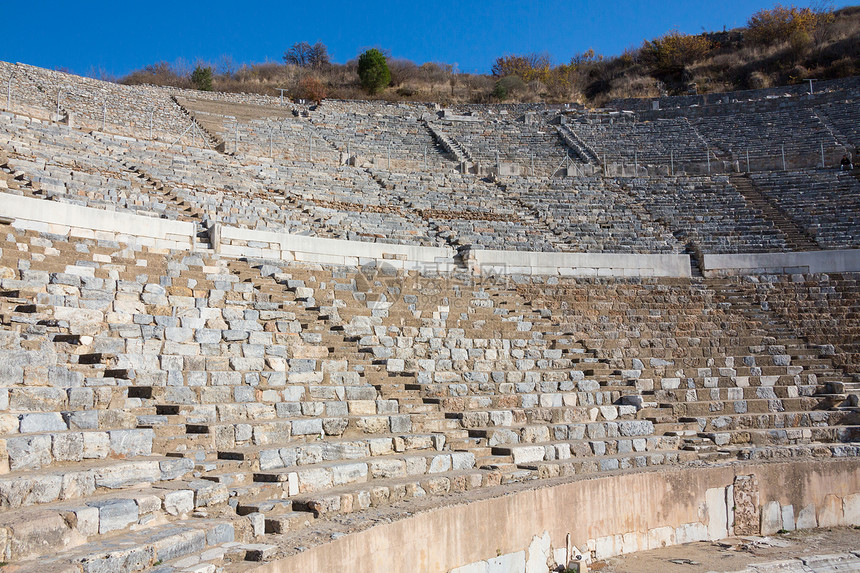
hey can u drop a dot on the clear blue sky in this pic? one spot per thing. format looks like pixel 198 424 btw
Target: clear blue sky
pixel 120 36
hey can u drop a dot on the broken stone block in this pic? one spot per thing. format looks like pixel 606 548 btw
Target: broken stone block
pixel 179 502
pixel 115 514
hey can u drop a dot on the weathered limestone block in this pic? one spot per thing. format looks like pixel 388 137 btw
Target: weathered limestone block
pixel 771 518
pixel 42 423
pixel 746 498
pixel 689 532
pixel 127 474
pixel 96 445
pixel 806 518
pixel 115 514
pixel 383 469
pixel 176 544
pixel 29 452
pixel 715 506
pixel 68 446
pixel 85 520
pixel 307 427
pixel 175 468
pixel 831 513
pixel 349 473
pixel 851 509
pixel 528 454
pixel 179 502
pixel 131 442
pixel 43 533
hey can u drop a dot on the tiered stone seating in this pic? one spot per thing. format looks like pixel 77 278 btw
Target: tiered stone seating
pixel 79 466
pixel 127 110
pixel 821 307
pixel 768 97
pixel 844 118
pixel 390 136
pixel 825 202
pixel 708 213
pixel 65 165
pixel 797 131
pixel 525 140
pixel 620 138
pixel 708 370
pixel 467 210
pixel 184 411
pixel 592 214
pixel 291 139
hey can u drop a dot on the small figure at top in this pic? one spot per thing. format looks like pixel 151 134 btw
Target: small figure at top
pixel 846 163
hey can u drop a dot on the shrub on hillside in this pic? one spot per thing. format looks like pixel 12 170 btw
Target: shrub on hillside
pixel 402 71
pixel 158 74
pixel 507 87
pixel 373 71
pixel 311 88
pixel 758 80
pixel 528 67
pixel 674 51
pixel 782 23
pixel 201 78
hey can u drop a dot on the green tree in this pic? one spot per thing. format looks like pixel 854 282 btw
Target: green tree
pixel 201 78
pixel 373 70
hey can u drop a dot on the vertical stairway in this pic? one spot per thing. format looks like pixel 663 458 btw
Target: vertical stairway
pixel 796 236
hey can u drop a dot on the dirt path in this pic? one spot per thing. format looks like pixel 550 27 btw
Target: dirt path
pixel 736 554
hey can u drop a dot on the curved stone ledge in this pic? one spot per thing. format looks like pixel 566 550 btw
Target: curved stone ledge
pixel 605 516
pixel 89 223
pixel 237 242
pixel 841 261
pixel 579 264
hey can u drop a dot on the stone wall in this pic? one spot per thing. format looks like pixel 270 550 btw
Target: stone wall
pixel 85 222
pixel 606 516
pixel 780 263
pixel 236 242
pixel 579 264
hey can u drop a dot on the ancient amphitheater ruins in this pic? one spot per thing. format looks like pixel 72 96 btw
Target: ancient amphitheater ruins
pixel 245 334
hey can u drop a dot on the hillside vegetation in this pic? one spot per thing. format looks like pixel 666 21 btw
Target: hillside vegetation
pixel 780 46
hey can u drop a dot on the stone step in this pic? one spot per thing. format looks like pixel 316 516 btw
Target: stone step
pixel 327 475
pixel 139 550
pixel 85 478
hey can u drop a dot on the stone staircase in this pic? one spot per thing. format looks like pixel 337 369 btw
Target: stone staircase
pixel 579 147
pixel 796 237
pixel 452 146
pixel 832 385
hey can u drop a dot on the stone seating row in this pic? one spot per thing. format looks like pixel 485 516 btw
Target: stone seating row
pixel 139 111
pixel 799 134
pixel 249 450
pixel 66 165
pixel 617 137
pixel 709 213
pixel 528 141
pixel 821 201
pixel 820 306
pixel 591 214
pixel 532 220
pixel 391 142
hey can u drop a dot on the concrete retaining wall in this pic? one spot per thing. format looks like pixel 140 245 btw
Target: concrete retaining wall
pixel 578 264
pixel 85 222
pixel 605 516
pixel 782 263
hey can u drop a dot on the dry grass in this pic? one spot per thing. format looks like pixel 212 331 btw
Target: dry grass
pixel 732 63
